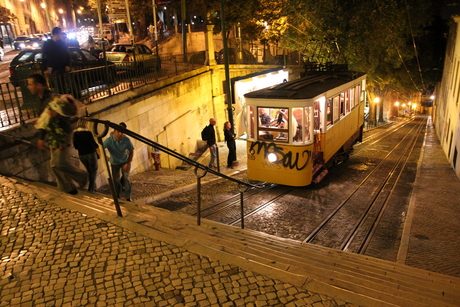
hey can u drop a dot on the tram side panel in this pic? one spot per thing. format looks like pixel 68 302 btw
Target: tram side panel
pixel 279 163
pixel 337 135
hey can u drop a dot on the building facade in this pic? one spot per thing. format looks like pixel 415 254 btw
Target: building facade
pixel 446 105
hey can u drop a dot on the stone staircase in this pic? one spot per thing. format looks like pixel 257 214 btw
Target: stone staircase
pixel 352 278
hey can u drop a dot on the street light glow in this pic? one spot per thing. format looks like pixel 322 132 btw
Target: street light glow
pixel 43 5
pixel 410 103
pixel 432 97
pixel 397 103
pixel 78 11
pixel 61 11
pixel 403 105
pixel 376 99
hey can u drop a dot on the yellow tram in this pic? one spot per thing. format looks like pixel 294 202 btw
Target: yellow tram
pixel 297 130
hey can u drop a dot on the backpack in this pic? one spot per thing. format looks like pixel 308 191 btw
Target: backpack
pixel 204 134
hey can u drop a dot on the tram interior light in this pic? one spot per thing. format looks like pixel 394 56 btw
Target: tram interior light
pixel 272 157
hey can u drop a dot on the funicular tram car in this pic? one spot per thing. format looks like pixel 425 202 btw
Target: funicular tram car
pixel 299 129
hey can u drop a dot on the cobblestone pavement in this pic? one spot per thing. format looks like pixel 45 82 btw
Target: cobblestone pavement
pixel 152 182
pixel 51 256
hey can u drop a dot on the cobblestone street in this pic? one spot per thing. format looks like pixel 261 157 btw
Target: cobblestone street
pixel 51 256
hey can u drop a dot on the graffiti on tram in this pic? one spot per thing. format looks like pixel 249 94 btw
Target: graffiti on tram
pixel 291 160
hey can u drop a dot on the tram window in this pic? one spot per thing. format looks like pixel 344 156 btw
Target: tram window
pixel 357 93
pixel 277 118
pixel 273 124
pixel 342 104
pixel 307 134
pixel 329 111
pixel 347 101
pixel 336 112
pixel 352 98
pixel 297 124
pixel 251 122
pixel 272 135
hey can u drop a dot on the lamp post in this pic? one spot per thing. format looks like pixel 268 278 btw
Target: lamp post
pixel 397 109
pixel 376 101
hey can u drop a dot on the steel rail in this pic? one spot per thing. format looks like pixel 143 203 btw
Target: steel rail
pixel 369 234
pixel 325 221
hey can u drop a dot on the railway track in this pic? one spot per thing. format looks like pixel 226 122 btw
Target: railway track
pixel 229 211
pixel 376 190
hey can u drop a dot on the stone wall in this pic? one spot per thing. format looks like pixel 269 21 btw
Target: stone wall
pixel 172 112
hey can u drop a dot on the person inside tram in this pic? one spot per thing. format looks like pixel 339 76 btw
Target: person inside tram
pixel 264 118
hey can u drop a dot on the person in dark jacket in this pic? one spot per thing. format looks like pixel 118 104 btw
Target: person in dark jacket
pixel 230 139
pixel 56 56
pixel 211 141
pixel 88 151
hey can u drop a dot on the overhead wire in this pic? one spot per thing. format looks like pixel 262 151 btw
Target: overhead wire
pixel 414 44
pixel 399 53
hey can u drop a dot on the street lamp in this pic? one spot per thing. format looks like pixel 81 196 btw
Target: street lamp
pixel 47 13
pixel 376 101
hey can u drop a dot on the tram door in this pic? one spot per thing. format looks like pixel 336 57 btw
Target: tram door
pixel 317 151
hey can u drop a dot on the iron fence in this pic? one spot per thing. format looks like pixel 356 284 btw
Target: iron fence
pixel 18 105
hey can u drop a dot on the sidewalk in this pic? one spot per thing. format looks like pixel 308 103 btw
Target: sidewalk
pixel 430 237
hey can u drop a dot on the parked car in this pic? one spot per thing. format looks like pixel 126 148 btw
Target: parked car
pixel 248 58
pixel 32 43
pixel 122 54
pixel 18 41
pixel 26 59
pixel 2 54
pixel 43 37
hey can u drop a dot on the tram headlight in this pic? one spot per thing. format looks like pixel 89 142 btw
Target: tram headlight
pixel 272 157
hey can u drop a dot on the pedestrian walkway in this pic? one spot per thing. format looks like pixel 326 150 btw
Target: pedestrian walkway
pixel 431 235
pixel 58 252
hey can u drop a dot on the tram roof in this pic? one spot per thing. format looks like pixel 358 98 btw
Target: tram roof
pixel 307 87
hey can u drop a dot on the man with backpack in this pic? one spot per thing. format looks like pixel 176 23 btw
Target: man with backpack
pixel 209 135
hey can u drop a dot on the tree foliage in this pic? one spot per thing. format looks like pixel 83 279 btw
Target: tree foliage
pixel 372 36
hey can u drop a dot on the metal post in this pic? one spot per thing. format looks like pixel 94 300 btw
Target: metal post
pixel 101 31
pixel 155 20
pixel 130 25
pixel 184 31
pixel 242 188
pixel 217 156
pixel 228 86
pixel 106 166
pixel 198 192
pixel 242 209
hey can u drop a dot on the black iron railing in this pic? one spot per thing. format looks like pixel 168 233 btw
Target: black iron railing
pixel 200 169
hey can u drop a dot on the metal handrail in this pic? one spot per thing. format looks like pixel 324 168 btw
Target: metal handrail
pixel 166 150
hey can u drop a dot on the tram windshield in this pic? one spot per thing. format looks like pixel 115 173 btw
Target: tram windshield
pixel 287 125
pixel 273 124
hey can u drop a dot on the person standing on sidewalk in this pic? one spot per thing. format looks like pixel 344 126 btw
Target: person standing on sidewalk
pixel 121 155
pixel 211 141
pixel 231 144
pixel 54 127
pixel 88 151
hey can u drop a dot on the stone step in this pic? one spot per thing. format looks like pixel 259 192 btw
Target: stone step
pixel 353 278
pixel 422 292
pixel 354 262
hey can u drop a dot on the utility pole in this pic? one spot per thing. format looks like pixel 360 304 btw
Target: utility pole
pixel 130 25
pixel 228 86
pixel 184 29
